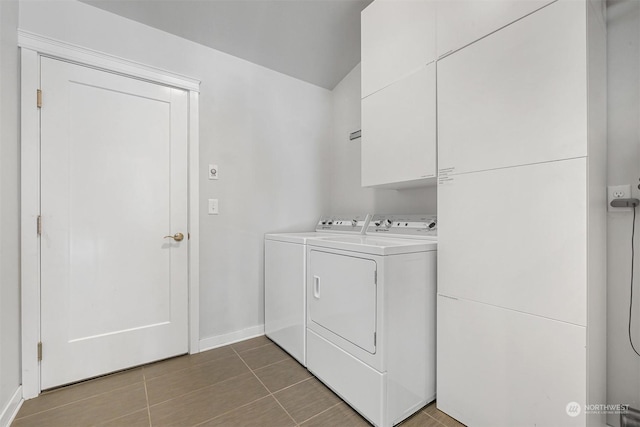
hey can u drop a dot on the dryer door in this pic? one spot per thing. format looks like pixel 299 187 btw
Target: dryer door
pixel 342 296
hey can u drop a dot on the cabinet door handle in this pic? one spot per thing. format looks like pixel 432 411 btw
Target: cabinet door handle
pixel 316 287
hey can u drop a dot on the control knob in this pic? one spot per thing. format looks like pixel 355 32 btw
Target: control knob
pixel 354 222
pixel 387 223
pixel 431 225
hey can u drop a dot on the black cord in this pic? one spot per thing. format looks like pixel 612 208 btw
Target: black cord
pixel 633 232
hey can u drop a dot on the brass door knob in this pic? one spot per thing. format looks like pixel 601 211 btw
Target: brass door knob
pixel 177 237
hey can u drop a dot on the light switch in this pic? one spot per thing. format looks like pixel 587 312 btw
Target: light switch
pixel 213 206
pixel 213 171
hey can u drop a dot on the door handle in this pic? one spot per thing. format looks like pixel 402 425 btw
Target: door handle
pixel 177 237
pixel 316 287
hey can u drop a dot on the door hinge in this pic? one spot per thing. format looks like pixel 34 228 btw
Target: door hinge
pixel 39 351
pixel 375 277
pixel 39 225
pixel 39 98
pixel 375 339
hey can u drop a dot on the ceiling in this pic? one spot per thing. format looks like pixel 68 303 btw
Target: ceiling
pixel 317 41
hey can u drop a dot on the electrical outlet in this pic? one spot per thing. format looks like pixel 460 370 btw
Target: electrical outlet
pixel 618 192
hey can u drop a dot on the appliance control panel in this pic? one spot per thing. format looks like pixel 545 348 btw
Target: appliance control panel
pixel 343 223
pixel 411 226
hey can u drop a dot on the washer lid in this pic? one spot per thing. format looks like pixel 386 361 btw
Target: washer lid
pixel 375 245
pixel 300 238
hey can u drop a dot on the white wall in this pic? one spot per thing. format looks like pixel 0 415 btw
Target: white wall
pixel 264 130
pixel 623 366
pixel 9 210
pixel 347 196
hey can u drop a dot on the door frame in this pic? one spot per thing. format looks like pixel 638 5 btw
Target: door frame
pixel 32 48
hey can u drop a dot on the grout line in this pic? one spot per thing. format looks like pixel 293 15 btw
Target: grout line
pixel 322 412
pixel 434 418
pixel 292 385
pixel 192 390
pixel 265 366
pixel 82 399
pixel 270 364
pixel 201 388
pixel 146 395
pixel 266 388
pixel 174 370
pixel 250 349
pixel 231 410
pixel 111 420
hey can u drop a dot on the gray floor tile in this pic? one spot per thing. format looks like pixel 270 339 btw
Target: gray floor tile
pixel 94 410
pixel 265 412
pixel 440 416
pixel 174 364
pixel 251 343
pixel 262 356
pixel 205 404
pixel 66 395
pixel 340 415
pixel 306 399
pixel 180 382
pixel 282 374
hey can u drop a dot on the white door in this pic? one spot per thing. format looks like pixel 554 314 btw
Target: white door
pixel 113 185
pixel 342 297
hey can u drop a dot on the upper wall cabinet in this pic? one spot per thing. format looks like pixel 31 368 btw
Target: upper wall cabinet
pixel 398 38
pixel 517 96
pixel 399 133
pixel 461 22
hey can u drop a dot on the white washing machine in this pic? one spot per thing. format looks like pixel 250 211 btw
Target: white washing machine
pixel 285 263
pixel 371 316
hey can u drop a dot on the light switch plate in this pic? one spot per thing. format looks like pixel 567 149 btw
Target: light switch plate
pixel 213 171
pixel 213 207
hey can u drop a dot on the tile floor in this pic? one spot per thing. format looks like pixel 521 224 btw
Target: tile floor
pixel 250 383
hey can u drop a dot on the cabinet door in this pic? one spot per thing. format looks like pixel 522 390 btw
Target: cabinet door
pixel 399 131
pixel 462 22
pixel 342 297
pixel 398 38
pixel 516 238
pixel 518 96
pixel 498 367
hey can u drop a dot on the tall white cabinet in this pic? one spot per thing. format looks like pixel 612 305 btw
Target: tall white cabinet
pixel 522 221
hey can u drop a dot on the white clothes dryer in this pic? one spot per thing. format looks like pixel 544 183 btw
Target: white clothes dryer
pixel 285 263
pixel 371 316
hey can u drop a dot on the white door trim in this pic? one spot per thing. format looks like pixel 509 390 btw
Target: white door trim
pixel 32 48
pixel 82 55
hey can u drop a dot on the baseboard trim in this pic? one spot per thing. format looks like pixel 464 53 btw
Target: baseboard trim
pixel 11 410
pixel 233 337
